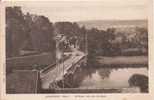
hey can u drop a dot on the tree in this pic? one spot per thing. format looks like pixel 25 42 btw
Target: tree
pixel 28 32
pixel 16 31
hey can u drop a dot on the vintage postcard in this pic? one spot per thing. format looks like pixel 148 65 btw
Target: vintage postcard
pixel 70 49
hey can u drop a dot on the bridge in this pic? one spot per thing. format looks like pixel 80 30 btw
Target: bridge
pixel 59 70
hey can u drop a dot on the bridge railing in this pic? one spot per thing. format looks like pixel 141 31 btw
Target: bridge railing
pixel 46 69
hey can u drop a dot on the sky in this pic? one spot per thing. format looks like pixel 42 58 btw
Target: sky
pixel 88 10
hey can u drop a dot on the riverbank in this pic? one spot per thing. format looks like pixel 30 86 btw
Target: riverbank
pixel 122 61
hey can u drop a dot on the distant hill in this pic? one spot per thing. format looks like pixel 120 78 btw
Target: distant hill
pixel 104 24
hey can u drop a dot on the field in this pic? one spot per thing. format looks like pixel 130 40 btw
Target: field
pixel 31 61
pixel 104 24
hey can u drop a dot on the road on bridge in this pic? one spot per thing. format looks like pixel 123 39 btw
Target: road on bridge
pixel 57 72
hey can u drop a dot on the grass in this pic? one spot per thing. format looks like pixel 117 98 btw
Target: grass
pixel 123 60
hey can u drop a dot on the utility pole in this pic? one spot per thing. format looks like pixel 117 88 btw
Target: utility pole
pixel 58 53
pixel 86 46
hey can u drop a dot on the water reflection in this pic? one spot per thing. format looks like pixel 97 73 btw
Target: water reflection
pixel 104 72
pixel 80 75
pixel 106 77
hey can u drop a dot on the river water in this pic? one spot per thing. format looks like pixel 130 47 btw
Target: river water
pixel 90 77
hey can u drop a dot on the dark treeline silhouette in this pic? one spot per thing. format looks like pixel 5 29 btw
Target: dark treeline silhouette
pixel 113 43
pixel 27 32
pixel 74 34
pixel 35 32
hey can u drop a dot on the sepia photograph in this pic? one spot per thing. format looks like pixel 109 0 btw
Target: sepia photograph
pixel 77 47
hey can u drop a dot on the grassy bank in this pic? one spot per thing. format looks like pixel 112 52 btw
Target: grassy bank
pixel 121 61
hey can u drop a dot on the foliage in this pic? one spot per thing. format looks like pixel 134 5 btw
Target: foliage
pixel 33 32
pixel 27 32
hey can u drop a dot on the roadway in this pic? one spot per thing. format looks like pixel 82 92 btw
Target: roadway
pixel 57 72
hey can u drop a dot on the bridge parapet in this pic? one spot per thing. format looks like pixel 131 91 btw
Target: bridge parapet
pixel 61 70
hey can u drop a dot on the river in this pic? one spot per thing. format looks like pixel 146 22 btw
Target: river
pixel 109 77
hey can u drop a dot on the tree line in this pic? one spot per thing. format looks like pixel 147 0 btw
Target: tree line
pixel 27 32
pixel 36 32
